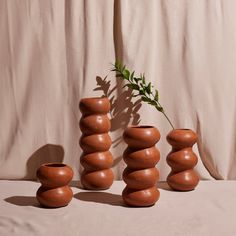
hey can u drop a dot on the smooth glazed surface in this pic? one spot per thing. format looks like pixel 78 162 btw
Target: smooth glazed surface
pixel 182 160
pixel 140 175
pixel 53 175
pixel 54 191
pixel 141 136
pixel 95 143
pixel 94 105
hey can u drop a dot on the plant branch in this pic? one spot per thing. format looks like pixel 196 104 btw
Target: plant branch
pixel 140 87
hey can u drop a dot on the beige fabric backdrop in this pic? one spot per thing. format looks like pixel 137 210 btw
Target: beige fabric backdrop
pixel 53 53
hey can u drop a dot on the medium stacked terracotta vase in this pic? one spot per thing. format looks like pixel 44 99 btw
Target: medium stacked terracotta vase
pixel 95 143
pixel 182 160
pixel 140 175
pixel 54 191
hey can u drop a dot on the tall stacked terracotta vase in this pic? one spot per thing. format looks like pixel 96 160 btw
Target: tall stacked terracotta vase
pixel 95 142
pixel 182 160
pixel 140 175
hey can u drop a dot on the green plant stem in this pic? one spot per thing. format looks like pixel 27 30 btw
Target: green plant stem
pixel 163 112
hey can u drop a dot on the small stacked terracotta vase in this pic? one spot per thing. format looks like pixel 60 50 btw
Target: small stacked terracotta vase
pixel 182 160
pixel 95 143
pixel 140 175
pixel 54 191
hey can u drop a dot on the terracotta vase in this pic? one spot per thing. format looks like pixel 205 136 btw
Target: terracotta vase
pixel 54 191
pixel 182 160
pixel 140 175
pixel 95 143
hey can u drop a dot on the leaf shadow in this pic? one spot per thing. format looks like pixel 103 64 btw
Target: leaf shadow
pixel 123 110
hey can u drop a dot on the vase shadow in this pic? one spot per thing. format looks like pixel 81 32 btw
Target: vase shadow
pixel 100 197
pixel 76 184
pixel 164 185
pixel 45 154
pixel 23 201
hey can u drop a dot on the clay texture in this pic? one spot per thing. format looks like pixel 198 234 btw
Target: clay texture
pixel 182 160
pixel 140 175
pixel 95 143
pixel 54 191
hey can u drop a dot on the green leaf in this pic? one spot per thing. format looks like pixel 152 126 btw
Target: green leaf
pixel 133 86
pixel 145 99
pixel 148 88
pixel 132 76
pixel 141 92
pixel 126 74
pixel 117 64
pixel 159 108
pixel 153 103
pixel 156 95
pixel 143 78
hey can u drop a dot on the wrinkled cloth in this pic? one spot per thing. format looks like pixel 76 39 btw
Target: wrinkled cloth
pixel 55 52
pixel 208 210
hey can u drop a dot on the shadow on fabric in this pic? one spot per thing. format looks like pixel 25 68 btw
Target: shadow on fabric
pixel 123 110
pixel 23 201
pixel 100 197
pixel 46 154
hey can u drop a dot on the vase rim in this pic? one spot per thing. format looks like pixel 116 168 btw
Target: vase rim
pixel 183 129
pixel 54 165
pixel 142 126
pixel 104 97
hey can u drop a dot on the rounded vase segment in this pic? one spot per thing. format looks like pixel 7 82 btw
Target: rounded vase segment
pixel 143 158
pixel 55 197
pixel 141 136
pixel 95 124
pixel 183 181
pixel 182 160
pixel 94 105
pixel 53 175
pixel 95 143
pixel 97 180
pixel 181 138
pixel 145 197
pixel 97 161
pixel 141 179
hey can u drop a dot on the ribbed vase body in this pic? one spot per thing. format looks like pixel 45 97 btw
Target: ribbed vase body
pixel 141 157
pixel 182 160
pixel 95 142
pixel 55 190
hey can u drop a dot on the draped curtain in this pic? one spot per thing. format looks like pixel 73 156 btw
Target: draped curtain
pixel 55 52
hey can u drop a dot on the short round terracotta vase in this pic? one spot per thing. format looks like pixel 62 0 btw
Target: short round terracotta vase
pixel 182 160
pixel 95 142
pixel 55 190
pixel 140 175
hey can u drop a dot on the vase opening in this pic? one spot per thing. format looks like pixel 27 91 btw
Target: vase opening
pixel 95 97
pixel 183 129
pixel 143 127
pixel 55 165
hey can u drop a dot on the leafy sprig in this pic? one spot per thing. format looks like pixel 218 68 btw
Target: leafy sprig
pixel 140 87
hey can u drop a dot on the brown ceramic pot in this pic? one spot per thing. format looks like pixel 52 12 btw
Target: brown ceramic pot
pixel 95 143
pixel 54 191
pixel 182 160
pixel 140 175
